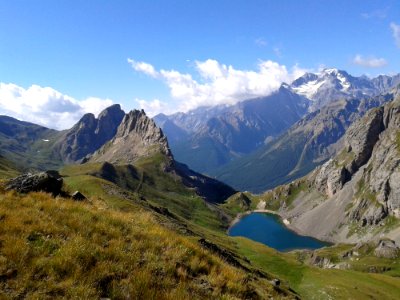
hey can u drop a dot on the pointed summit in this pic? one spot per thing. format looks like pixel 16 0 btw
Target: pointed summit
pixel 137 136
pixel 89 134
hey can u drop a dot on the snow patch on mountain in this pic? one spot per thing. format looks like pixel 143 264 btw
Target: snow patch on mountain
pixel 309 89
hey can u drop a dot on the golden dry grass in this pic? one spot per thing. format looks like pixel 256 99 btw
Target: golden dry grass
pixel 57 248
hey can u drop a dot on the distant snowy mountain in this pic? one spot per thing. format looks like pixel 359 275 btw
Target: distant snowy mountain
pixel 332 84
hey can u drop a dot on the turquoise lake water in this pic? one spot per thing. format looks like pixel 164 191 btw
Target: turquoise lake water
pixel 269 230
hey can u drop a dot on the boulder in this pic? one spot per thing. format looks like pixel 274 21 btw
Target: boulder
pixel 49 181
pixel 78 196
pixel 387 249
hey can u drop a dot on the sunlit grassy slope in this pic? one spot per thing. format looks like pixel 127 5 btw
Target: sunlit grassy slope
pixel 316 283
pixel 53 248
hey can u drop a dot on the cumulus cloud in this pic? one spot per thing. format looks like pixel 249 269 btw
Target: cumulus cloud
pixel 219 83
pixel 369 62
pixel 46 106
pixel 154 107
pixel 396 33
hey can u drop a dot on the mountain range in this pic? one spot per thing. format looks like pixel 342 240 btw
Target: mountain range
pixel 260 143
pixel 147 226
pixel 209 137
pixel 113 137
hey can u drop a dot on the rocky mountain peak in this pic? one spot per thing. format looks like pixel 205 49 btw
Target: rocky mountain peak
pixel 87 120
pixel 109 119
pixel 89 134
pixel 137 136
pixel 111 111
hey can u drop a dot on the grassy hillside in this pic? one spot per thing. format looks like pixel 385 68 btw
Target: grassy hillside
pixel 27 145
pixel 57 248
pixel 316 283
pixel 7 169
pixel 147 182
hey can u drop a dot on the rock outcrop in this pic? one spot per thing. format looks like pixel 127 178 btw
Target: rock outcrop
pixel 137 136
pixel 359 141
pixel 387 249
pixel 49 181
pixel 89 134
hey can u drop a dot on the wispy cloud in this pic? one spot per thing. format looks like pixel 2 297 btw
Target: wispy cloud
pixel 396 33
pixel 376 14
pixel 218 83
pixel 46 106
pixel 277 51
pixel 369 62
pixel 261 42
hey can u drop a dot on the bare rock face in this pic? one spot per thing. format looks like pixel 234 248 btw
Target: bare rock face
pixel 387 249
pixel 359 143
pixel 367 213
pixel 330 178
pixel 89 134
pixel 383 172
pixel 362 136
pixel 137 136
pixel 49 181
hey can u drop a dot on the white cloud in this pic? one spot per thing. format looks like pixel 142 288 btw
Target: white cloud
pixel 396 33
pixel 220 83
pixel 153 107
pixel 46 106
pixel 369 62
pixel 143 67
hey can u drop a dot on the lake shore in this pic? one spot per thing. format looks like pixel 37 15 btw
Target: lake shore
pixel 239 216
pixel 285 221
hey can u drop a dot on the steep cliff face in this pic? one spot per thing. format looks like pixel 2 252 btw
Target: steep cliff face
pixel 355 195
pixel 359 141
pixel 372 149
pixel 89 134
pixel 380 182
pixel 137 136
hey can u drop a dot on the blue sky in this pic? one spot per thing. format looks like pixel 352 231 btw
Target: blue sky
pixel 80 50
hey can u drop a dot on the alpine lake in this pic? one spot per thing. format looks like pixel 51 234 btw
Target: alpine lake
pixel 269 229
